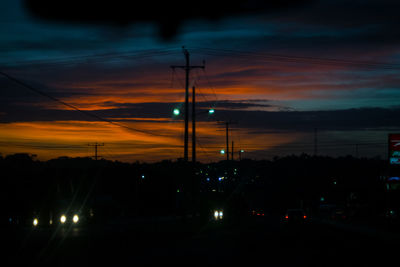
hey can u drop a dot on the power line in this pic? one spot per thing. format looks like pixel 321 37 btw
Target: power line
pixel 295 59
pixel 23 84
pixel 310 145
pixel 41 146
pixel 204 73
pixel 96 58
pixel 187 67
pixel 307 145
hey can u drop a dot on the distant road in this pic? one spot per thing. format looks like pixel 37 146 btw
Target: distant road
pixel 257 241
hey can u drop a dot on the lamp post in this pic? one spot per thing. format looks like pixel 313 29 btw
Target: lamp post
pixel 176 112
pixel 240 154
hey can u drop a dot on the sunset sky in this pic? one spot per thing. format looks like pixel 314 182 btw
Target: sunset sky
pixel 333 66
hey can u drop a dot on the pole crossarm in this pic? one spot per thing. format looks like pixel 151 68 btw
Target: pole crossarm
pixel 227 123
pixel 187 69
pixel 95 148
pixel 184 67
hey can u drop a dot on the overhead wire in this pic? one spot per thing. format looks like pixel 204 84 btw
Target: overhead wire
pixel 216 52
pixel 87 113
pixel 295 59
pixel 209 85
pixel 96 58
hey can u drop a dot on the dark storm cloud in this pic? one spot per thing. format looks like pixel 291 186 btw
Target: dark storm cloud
pixel 305 121
pixel 13 93
pixel 167 15
pixel 340 13
pixel 250 115
pixel 27 111
pixel 62 44
pixel 368 21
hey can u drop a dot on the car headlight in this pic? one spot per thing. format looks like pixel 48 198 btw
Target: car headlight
pixel 75 219
pixel 35 222
pixel 216 214
pixel 63 218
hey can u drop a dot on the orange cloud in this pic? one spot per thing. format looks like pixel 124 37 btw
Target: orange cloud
pixel 71 138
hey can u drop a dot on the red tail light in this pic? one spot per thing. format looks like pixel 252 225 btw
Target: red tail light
pixel 286 217
pixel 304 216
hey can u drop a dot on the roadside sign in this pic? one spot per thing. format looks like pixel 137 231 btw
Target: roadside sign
pixel 394 149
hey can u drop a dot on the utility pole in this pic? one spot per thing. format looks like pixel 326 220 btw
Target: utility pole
pixel 227 123
pixel 315 141
pixel 95 148
pixel 232 152
pixel 227 141
pixel 356 150
pixel 187 69
pixel 194 125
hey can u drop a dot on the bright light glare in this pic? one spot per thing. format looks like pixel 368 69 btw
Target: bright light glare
pixel 35 222
pixel 176 111
pixel 222 151
pixel 216 214
pixel 63 219
pixel 211 111
pixel 75 219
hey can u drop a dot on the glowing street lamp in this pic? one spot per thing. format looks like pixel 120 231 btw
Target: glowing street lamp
pixel 222 151
pixel 176 111
pixel 211 111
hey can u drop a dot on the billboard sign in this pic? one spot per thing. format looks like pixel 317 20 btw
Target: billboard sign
pixel 394 149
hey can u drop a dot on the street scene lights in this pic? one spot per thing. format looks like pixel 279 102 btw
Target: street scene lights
pixel 176 111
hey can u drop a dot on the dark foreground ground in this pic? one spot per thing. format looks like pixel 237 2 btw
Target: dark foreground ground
pixel 256 241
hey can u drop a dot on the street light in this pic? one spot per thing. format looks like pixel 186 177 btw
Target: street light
pixel 210 111
pixel 222 151
pixel 177 112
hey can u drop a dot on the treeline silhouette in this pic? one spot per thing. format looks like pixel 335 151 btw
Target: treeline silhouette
pixel 115 189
